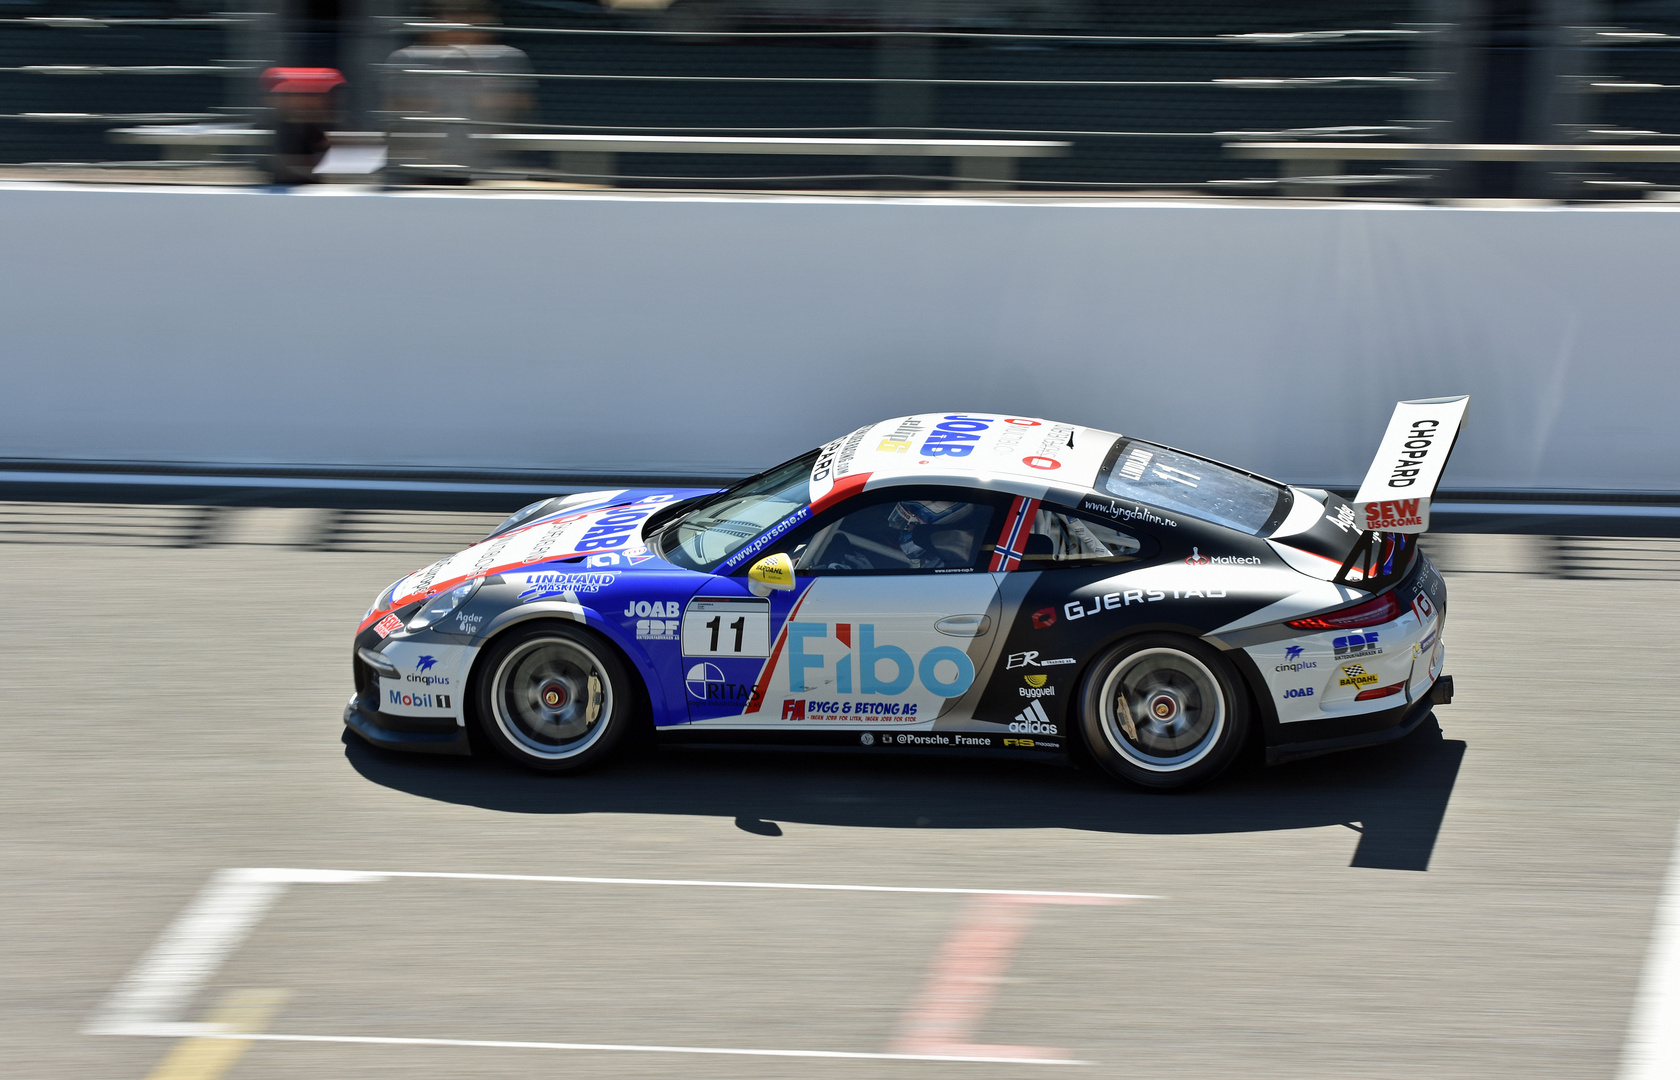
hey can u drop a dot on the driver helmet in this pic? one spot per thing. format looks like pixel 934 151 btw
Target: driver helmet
pixel 908 516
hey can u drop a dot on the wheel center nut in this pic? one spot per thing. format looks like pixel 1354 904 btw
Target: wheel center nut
pixel 1163 707
pixel 553 695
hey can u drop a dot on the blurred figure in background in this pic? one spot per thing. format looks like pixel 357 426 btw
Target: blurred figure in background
pixel 456 83
pixel 305 109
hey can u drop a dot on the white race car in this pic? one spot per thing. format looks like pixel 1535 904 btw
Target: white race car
pixel 948 583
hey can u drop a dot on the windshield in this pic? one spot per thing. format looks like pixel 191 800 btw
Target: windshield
pixel 1195 488
pixel 713 531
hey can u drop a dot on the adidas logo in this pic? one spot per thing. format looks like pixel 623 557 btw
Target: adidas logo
pixel 1034 721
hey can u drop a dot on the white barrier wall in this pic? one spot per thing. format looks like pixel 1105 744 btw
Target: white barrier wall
pixel 718 335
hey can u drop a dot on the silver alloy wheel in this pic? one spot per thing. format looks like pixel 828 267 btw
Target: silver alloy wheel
pixel 552 698
pixel 1162 709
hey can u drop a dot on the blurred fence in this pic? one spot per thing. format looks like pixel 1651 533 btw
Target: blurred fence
pixel 1119 96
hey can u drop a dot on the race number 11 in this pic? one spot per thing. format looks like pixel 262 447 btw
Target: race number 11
pixel 726 628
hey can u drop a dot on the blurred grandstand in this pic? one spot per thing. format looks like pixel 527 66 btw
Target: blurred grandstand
pixel 1437 99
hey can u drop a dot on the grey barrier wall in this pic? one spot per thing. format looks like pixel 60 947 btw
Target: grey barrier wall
pixel 586 332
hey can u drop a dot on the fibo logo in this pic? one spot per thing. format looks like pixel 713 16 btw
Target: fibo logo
pixel 936 662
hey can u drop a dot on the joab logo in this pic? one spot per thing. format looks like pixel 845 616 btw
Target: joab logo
pixel 878 669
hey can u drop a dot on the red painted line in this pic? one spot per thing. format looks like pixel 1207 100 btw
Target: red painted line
pixel 966 976
pixel 770 664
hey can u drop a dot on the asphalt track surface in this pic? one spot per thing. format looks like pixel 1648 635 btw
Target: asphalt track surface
pixel 1475 902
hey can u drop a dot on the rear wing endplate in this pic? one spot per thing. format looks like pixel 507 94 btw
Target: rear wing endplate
pixel 1410 459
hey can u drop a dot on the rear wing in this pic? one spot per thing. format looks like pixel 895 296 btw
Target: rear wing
pixel 1410 459
pixel 1392 506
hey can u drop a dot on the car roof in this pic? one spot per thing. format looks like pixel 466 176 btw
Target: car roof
pixel 1021 455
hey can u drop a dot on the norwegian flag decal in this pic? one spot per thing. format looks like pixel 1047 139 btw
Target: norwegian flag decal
pixel 1012 540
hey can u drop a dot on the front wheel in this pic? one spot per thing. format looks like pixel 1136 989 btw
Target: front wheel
pixel 553 698
pixel 1163 711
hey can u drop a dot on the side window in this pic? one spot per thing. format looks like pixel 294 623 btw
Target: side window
pixel 1059 539
pixel 913 532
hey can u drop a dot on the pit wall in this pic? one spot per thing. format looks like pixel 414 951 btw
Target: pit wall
pixel 674 335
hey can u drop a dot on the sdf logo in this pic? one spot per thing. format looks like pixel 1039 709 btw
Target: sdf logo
pixel 1356 645
pixel 706 683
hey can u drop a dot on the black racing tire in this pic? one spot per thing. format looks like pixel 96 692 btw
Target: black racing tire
pixel 1163 711
pixel 553 697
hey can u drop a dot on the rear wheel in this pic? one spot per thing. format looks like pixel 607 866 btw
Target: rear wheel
pixel 553 698
pixel 1163 711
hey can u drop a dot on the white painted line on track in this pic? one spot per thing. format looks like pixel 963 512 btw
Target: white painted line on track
pixel 193 947
pixel 769 885
pixel 502 1044
pixel 158 989
pixel 1653 1046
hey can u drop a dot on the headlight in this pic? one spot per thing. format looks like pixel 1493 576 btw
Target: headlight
pixel 438 607
pixel 383 600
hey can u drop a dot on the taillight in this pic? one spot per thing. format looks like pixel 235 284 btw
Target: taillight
pixel 1379 691
pixel 1379 609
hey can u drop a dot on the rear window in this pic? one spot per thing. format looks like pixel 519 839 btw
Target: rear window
pixel 1191 486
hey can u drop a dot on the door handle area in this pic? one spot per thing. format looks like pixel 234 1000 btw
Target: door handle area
pixel 964 625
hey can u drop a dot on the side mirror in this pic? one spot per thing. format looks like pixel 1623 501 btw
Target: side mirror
pixel 773 573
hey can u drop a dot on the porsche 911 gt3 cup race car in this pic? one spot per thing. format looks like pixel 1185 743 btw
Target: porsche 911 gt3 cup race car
pixel 949 582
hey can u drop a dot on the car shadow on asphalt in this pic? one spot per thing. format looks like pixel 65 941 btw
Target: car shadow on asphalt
pixel 1394 796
